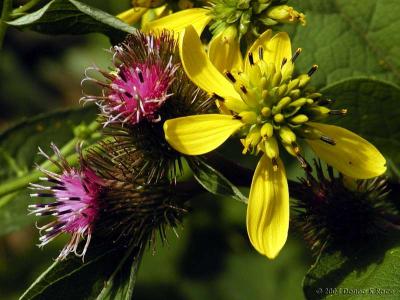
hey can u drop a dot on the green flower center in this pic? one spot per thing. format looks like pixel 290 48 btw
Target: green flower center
pixel 277 106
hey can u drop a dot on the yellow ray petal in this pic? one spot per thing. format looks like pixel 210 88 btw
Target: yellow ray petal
pixel 154 14
pixel 352 155
pixel 268 208
pixel 261 41
pixel 200 69
pixel 196 135
pixel 133 15
pixel 197 17
pixel 275 49
pixel 224 50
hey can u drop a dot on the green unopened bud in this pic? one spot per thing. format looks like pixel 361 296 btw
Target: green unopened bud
pixel 282 90
pixel 295 93
pixel 285 14
pixel 287 135
pixel 248 117
pixel 264 95
pixel 263 82
pixel 293 84
pixel 252 139
pixel 304 80
pixel 267 130
pixel 276 80
pixel 271 148
pixel 298 103
pixel 279 118
pixel 314 95
pixel 281 104
pixel 299 119
pixel 266 112
pixel 318 112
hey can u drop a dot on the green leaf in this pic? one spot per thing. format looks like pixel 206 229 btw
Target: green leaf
pixel 373 112
pixel 122 282
pixel 104 274
pixel 370 272
pixel 18 156
pixel 73 17
pixel 213 181
pixel 348 38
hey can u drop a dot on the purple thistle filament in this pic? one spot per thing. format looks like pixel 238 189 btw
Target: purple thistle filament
pixel 138 86
pixel 76 205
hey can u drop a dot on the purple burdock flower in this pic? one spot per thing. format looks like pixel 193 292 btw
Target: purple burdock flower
pixel 138 86
pixel 76 206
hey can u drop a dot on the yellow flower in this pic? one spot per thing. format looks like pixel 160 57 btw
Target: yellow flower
pixel 231 19
pixel 264 103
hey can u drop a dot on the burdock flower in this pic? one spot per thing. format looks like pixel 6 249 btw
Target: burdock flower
pixel 270 109
pixel 133 211
pixel 148 67
pixel 76 206
pixel 138 86
pixel 335 215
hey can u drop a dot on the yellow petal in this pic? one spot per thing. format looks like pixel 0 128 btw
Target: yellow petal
pixel 154 14
pixel 268 208
pixel 275 48
pixel 199 68
pixel 261 41
pixel 352 155
pixel 197 17
pixel 133 15
pixel 224 50
pixel 196 135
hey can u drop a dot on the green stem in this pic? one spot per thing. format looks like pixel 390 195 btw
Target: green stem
pixel 23 8
pixel 5 14
pixel 33 176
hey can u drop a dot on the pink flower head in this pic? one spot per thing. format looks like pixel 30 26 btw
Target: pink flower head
pixel 76 205
pixel 139 85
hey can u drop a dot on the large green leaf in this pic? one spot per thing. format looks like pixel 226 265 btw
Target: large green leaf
pixel 348 38
pixel 73 17
pixel 370 272
pixel 104 274
pixel 373 112
pixel 18 156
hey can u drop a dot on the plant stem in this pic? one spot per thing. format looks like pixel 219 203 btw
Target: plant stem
pixel 5 14
pixel 27 6
pixel 33 175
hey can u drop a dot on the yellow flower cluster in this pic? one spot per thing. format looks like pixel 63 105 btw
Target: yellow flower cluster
pixel 261 101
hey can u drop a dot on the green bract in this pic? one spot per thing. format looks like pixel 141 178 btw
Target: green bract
pixel 252 15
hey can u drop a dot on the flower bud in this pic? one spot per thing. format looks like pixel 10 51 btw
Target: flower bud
pixel 285 14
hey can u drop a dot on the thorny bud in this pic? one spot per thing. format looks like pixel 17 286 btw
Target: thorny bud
pixel 333 215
